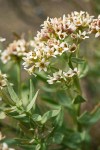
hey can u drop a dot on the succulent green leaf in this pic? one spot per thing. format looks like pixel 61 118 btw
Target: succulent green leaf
pixel 59 119
pixel 12 93
pixel 57 138
pixel 89 118
pixel 83 69
pixel 38 147
pixel 77 60
pixel 95 116
pixel 6 98
pixel 20 116
pixel 84 118
pixel 31 90
pixel 78 99
pixel 49 114
pixel 36 117
pixel 72 139
pixel 29 107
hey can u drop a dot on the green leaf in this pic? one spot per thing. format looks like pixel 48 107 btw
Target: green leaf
pixel 85 135
pixel 59 119
pixel 89 118
pixel 95 116
pixel 29 107
pixel 31 90
pixel 12 93
pixel 41 76
pixel 12 111
pixel 84 118
pixel 49 115
pixel 50 102
pixel 20 116
pixel 77 60
pixel 64 100
pixel 78 99
pixel 72 139
pixel 38 147
pixel 48 89
pixel 70 64
pixel 77 83
pixel 83 69
pixel 6 98
pixel 36 117
pixel 57 138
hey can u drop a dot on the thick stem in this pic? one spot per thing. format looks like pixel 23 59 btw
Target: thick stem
pixel 19 78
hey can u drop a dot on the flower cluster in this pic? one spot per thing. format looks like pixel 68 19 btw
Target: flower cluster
pixel 57 36
pixel 95 26
pixel 42 53
pixel 15 49
pixel 61 76
pixel 3 80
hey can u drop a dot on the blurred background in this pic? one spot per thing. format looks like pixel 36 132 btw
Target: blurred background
pixel 22 16
pixel 26 16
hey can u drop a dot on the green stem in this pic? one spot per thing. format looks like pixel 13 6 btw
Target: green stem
pixel 79 128
pixel 77 84
pixel 19 78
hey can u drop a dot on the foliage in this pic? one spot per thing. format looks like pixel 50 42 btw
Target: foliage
pixel 47 107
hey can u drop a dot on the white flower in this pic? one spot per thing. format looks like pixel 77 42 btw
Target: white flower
pixel 31 43
pixel 62 76
pixel 82 35
pixel 49 52
pixel 71 72
pixel 61 48
pixel 71 28
pixel 80 18
pixel 30 70
pixel 65 46
pixel 5 56
pixel 62 35
pixel 72 48
pixel 42 65
pixel 57 76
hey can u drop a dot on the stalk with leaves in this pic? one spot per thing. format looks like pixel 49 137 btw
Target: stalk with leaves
pixel 54 60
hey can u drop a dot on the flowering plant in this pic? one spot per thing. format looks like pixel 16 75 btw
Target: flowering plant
pixel 52 58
